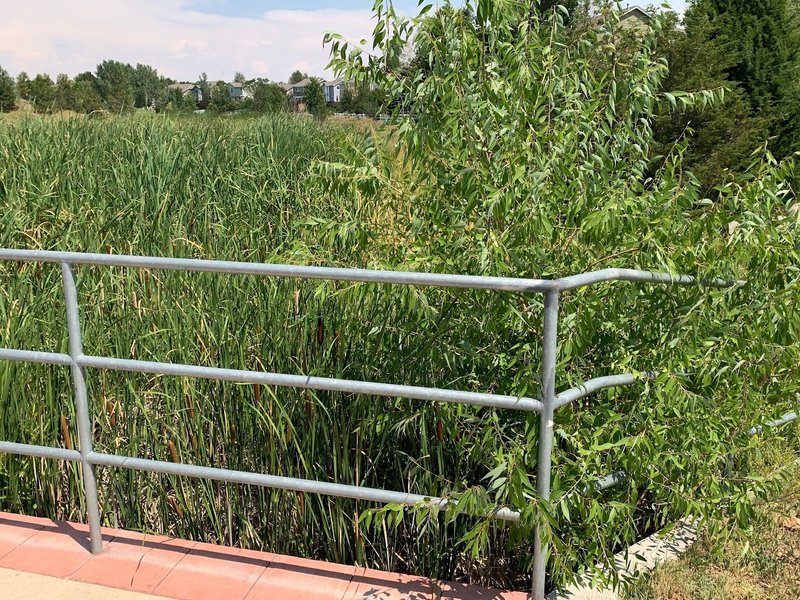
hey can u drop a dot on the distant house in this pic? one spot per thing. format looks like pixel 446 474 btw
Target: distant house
pixel 188 88
pixel 297 91
pixel 235 88
pixel 630 19
pixel 333 90
pixel 238 91
pixel 634 19
pixel 637 21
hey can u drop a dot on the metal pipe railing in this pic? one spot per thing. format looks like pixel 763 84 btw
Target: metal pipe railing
pixel 594 385
pixel 84 418
pixel 546 406
pixel 478 282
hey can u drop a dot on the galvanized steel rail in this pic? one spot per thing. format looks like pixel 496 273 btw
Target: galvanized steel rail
pixel 545 406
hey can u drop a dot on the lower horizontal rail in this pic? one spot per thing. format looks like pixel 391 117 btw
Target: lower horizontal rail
pixel 40 451
pixel 314 383
pixel 34 356
pixel 284 483
pixel 783 420
pixel 609 481
pixel 594 385
pixel 618 477
pixel 231 476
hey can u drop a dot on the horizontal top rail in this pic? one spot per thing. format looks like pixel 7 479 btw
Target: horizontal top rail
pixel 577 281
pixel 508 284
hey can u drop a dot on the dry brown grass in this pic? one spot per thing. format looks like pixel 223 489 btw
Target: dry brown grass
pixel 763 565
pixel 25 110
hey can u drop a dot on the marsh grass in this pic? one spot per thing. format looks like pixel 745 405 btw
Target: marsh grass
pixel 271 190
pixel 236 189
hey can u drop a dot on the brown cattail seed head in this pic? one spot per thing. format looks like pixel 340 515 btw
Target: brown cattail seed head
pixel 112 413
pixel 173 452
pixel 65 432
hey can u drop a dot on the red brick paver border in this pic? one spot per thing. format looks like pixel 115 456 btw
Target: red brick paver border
pixel 186 570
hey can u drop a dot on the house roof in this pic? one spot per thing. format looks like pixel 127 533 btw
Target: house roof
pixel 337 81
pixel 628 13
pixel 635 11
pixel 233 84
pixel 184 87
pixel 301 83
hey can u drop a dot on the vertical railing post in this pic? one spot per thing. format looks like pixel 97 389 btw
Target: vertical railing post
pixel 82 407
pixel 549 350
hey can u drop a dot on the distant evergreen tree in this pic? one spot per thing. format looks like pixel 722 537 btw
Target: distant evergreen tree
pixel 43 92
pixel 297 76
pixel 205 90
pixel 8 92
pixel 719 138
pixel 23 85
pixel 65 92
pixel 763 39
pixel 315 98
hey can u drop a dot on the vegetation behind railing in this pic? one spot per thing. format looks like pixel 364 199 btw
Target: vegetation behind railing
pixel 528 158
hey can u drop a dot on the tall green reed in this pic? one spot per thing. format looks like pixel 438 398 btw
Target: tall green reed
pixel 239 189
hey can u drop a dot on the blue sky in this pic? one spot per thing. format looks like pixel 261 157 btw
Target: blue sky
pixel 255 8
pixel 182 38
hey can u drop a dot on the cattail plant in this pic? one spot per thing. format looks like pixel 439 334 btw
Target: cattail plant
pixel 65 434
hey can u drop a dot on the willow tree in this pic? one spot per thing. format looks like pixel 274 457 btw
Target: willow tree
pixel 516 150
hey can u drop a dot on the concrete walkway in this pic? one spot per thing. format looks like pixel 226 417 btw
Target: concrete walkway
pixel 18 584
pixel 184 570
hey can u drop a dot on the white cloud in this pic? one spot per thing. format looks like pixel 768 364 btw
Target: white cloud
pixel 53 37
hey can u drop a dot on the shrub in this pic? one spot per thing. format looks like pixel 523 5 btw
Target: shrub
pixel 315 98
pixel 270 98
pixel 220 98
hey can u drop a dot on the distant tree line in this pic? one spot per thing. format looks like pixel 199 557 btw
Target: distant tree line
pixel 119 87
pixel 114 86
